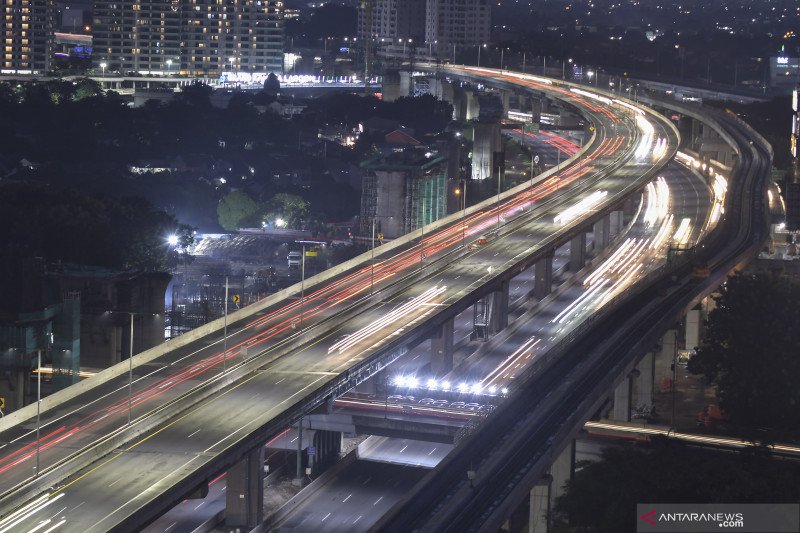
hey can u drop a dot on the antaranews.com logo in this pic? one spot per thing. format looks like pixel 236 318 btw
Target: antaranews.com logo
pixel 700 518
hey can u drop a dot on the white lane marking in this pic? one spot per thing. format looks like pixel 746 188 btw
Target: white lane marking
pixel 199 506
pixel 367 480
pixel 115 482
pixel 59 524
pixel 376 501
pixel 278 382
pixel 433 450
pixel 40 526
pixel 76 506
pixel 348 497
pixel 190 435
pixel 326 517
pixel 357 519
pixel 404 448
pixel 170 527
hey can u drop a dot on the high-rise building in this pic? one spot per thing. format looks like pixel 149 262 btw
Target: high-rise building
pixel 194 37
pixel 438 24
pixel 457 22
pixel 27 35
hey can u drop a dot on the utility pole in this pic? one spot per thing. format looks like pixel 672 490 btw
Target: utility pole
pixel 225 334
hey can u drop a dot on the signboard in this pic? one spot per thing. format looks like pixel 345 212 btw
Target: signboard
pixel 312 451
pixel 311 253
pixel 532 127
pixel 2 402
pixel 236 299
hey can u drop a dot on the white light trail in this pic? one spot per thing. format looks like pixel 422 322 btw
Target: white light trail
pixel 582 207
pixel 392 317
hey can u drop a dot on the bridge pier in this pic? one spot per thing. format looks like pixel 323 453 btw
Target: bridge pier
pixel 664 360
pixel 327 446
pixel 577 252
pixel 499 316
pixel 543 277
pixel 616 222
pixel 540 506
pixel 602 230
pixel 693 321
pixel 622 401
pixel 244 496
pixel 442 349
pixel 643 383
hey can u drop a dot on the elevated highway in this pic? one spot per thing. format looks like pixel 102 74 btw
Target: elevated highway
pixel 191 421
pixel 509 454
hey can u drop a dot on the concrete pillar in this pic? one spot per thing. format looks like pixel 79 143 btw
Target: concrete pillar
pixel 543 280
pixel 601 233
pixel 562 470
pixel 442 349
pixel 664 360
pixel 499 318
pixel 540 506
pixel 616 223
pixel 693 328
pixel 577 252
pixel 245 491
pixel 643 384
pixel 536 110
pixel 505 96
pixel 622 401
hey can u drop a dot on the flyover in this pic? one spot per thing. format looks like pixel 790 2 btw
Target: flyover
pixel 326 349
pixel 501 466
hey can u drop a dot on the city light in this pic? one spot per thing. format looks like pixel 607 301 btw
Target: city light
pixel 172 240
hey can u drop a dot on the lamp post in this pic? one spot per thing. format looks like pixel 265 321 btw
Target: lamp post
pixel 225 331
pixel 563 68
pixel 103 67
pixel 502 53
pixel 169 67
pixel 372 255
pixel 462 191
pixel 38 403
pixel 302 284
pixel 130 373
pixel 479 52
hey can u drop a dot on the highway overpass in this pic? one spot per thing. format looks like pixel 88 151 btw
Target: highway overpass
pixel 328 341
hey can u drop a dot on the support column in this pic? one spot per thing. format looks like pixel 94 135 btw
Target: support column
pixel 245 491
pixel 643 384
pixel 562 470
pixel 543 280
pixel 577 252
pixel 622 401
pixel 540 506
pixel 615 219
pixel 664 361
pixel 601 233
pixel 499 319
pixel 442 349
pixel 693 328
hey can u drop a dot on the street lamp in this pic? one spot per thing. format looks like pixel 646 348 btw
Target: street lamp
pixel 462 192
pixel 169 67
pixel 372 255
pixel 479 52
pixel 589 74
pixel 103 66
pixel 563 67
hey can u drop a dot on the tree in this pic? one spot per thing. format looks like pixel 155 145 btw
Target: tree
pixel 197 94
pixel 272 86
pixel 751 352
pixel 290 207
pixel 237 210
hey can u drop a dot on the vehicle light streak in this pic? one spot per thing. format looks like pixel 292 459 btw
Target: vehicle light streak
pixel 394 316
pixel 581 208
